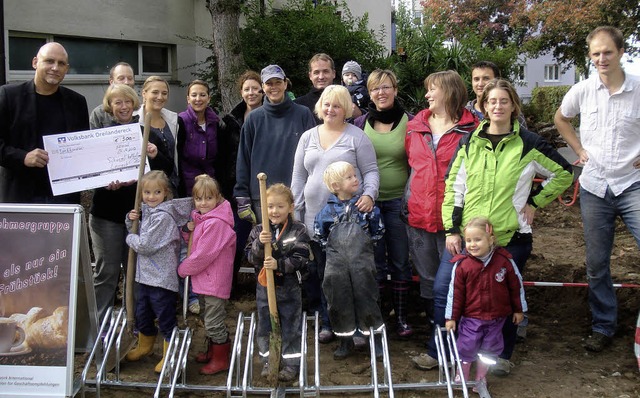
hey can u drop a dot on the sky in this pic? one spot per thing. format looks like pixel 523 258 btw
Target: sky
pixel 632 68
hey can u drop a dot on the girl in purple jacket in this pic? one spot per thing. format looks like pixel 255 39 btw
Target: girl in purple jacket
pixel 210 266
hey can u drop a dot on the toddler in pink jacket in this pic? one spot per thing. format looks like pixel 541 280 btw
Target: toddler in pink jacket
pixel 210 266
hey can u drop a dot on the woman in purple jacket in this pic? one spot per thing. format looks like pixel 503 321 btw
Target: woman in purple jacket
pixel 197 142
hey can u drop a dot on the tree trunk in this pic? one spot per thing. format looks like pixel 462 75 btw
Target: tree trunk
pixel 225 15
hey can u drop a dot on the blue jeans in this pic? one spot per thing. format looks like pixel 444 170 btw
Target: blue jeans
pixel 156 303
pixel 520 249
pixel 392 251
pixel 598 218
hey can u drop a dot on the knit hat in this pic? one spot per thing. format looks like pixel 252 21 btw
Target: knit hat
pixel 270 72
pixel 352 67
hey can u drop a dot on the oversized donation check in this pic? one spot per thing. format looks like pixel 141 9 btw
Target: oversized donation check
pixel 93 158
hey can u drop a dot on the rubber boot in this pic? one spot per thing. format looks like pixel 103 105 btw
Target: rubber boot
pixel 219 360
pixel 345 349
pixel 400 295
pixel 207 354
pixel 481 370
pixel 466 370
pixel 144 347
pixel 481 380
pixel 160 364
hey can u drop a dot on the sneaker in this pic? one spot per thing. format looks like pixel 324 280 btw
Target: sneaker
pixel 194 308
pixel 325 336
pixel 502 367
pixel 265 370
pixel 404 330
pixel 424 362
pixel 597 342
pixel 287 374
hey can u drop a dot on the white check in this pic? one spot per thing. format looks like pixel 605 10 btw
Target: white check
pixel 93 158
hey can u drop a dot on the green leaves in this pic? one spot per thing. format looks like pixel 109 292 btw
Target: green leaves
pixel 290 36
pixel 429 48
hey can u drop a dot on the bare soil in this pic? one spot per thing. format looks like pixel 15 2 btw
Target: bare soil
pixel 550 363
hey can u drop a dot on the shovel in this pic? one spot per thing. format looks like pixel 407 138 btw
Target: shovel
pixel 275 338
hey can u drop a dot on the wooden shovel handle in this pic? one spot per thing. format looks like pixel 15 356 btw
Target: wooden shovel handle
pixel 131 263
pixel 271 287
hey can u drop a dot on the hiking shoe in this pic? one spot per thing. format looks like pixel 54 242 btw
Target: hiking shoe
pixel 287 374
pixel 597 342
pixel 265 370
pixel 194 307
pixel 404 330
pixel 502 367
pixel 325 336
pixel 424 362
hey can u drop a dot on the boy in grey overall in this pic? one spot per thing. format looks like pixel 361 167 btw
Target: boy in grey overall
pixel 349 280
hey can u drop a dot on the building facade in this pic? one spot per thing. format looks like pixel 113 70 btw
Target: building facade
pixel 151 35
pixel 541 72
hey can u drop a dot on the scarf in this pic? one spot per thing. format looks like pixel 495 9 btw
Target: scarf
pixel 386 116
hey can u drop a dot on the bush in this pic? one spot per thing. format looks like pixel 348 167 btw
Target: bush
pixel 545 101
pixel 291 36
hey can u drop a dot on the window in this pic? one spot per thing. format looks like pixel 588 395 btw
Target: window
pixel 22 50
pixel 551 73
pixel 417 17
pixel 155 59
pixel 89 58
pixel 95 57
pixel 520 73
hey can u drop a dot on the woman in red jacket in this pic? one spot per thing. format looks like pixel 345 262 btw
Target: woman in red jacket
pixel 431 141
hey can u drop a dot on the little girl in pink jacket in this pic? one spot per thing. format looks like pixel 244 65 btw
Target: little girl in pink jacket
pixel 210 266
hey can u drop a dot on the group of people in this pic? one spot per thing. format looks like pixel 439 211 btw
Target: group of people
pixel 362 193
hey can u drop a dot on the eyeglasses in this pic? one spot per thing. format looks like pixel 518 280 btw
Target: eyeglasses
pixel 503 102
pixel 384 89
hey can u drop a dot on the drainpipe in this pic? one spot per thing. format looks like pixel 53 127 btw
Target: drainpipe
pixel 3 74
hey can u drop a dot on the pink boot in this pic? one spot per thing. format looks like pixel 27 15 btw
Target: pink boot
pixel 466 369
pixel 481 380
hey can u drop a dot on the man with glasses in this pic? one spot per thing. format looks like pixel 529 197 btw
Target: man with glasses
pixel 29 111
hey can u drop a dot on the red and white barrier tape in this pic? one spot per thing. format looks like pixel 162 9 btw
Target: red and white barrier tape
pixel 577 284
pixel 636 345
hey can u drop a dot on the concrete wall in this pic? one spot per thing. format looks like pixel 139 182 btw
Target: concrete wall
pixel 379 12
